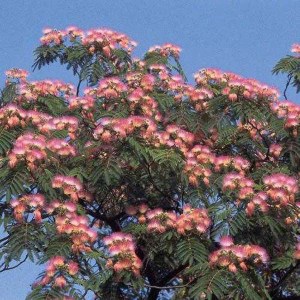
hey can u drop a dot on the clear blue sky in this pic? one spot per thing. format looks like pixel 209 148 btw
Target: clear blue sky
pixel 245 36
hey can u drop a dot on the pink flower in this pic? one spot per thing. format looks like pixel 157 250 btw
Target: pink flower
pixel 60 282
pixel 226 241
pixel 73 268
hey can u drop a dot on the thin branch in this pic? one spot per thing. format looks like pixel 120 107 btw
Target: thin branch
pixel 286 86
pixel 168 287
pixel 78 87
pixel 17 265
pixel 172 275
pixel 112 222
pixel 4 239
pixel 154 292
pixel 153 182
pixel 83 296
pixel 277 287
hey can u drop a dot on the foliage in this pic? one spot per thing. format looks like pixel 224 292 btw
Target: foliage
pixel 143 186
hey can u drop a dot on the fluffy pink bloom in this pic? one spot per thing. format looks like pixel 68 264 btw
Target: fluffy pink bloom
pixel 122 247
pixel 295 48
pixel 226 241
pixel 60 282
pixel 233 256
pixel 166 50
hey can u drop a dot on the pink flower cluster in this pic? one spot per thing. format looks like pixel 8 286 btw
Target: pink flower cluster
pixel 161 73
pixel 136 96
pixel 166 50
pixel 56 37
pixel 67 220
pixel 281 188
pixel 160 221
pixel 297 251
pixel 290 112
pixel 61 208
pixel 236 181
pixel 112 129
pixel 175 86
pixel 67 123
pixel 235 86
pixel 275 150
pixel 28 202
pixel 193 220
pixel 31 91
pixel 71 187
pixel 107 40
pixel 122 247
pixel 85 103
pixel 61 147
pixel 139 210
pixel 175 136
pixel 58 268
pixel 295 48
pixel 12 116
pixel 237 163
pixel 96 39
pixel 196 172
pixel 180 136
pixel 236 257
pixel 74 32
pixel 146 104
pixel 52 36
pixel 137 79
pixel 16 74
pixel 199 161
pixel 279 192
pixel 31 148
pixel 110 88
pixel 254 129
pixel 202 154
pixel 76 226
pixel 259 200
pixel 199 97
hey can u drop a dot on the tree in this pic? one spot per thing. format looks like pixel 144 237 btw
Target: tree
pixel 143 186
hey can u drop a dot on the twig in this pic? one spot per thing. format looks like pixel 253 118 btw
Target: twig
pixel 17 265
pixel 168 287
pixel 78 87
pixel 275 290
pixel 286 86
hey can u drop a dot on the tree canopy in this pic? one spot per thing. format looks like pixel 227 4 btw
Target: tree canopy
pixel 136 184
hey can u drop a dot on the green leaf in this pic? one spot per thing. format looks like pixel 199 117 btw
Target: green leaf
pixel 191 251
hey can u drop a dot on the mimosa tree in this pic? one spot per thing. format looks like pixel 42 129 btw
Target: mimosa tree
pixel 136 184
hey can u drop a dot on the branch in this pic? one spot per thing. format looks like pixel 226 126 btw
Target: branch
pixel 275 290
pixel 78 87
pixel 17 265
pixel 286 86
pixel 287 298
pixel 155 290
pixel 153 182
pixel 168 287
pixel 115 226
pixel 172 275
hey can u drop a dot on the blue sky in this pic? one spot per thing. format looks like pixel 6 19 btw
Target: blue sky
pixel 247 37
